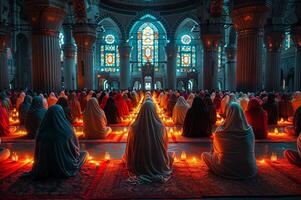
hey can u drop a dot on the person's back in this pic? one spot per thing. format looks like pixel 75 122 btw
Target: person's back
pixel 233 147
pixel 179 111
pixel 272 110
pixel 111 112
pixel 57 151
pixel 146 154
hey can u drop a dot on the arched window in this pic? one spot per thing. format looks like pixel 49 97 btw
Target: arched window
pixel 147 39
pixel 109 55
pixel 186 55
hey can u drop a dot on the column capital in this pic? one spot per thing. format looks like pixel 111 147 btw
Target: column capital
pixel 84 35
pixel 296 35
pixel 273 38
pixel 211 41
pixel 249 16
pixel 46 16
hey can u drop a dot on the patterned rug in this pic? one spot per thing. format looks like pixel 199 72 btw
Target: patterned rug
pixel 190 179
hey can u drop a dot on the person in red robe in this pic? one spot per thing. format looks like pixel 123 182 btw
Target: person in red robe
pixel 128 102
pixel 4 122
pixel 258 118
pixel 121 105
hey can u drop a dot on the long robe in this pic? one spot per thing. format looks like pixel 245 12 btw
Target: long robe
pixel 233 147
pixel 51 100
pixel 111 112
pixel 146 154
pixel 20 100
pixel 64 103
pixel 95 121
pixel 197 121
pixel 74 106
pixel 34 117
pixel 271 107
pixel 4 122
pixel 296 102
pixel 171 103
pixel 257 118
pixel 24 108
pixel 297 121
pixel 121 105
pixel 179 111
pixel 57 152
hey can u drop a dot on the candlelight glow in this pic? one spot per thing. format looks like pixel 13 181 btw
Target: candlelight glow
pixel 107 156
pixel 274 157
pixel 183 155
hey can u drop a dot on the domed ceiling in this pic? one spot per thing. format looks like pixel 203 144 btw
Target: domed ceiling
pixel 157 5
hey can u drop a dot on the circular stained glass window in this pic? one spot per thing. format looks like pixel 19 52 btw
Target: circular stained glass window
pixel 186 39
pixel 110 39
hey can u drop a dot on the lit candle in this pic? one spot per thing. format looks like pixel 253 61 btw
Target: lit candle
pixel 194 159
pixel 125 130
pixel 274 157
pixel 183 155
pixel 276 131
pixel 262 161
pixel 107 156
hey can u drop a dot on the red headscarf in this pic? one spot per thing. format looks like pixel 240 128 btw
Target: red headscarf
pixel 121 105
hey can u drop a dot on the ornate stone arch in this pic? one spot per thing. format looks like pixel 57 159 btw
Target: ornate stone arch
pixel 115 21
pixel 181 20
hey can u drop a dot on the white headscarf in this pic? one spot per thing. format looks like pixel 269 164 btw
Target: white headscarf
pixel 146 150
pixel 190 99
pixel 95 120
pixel 180 110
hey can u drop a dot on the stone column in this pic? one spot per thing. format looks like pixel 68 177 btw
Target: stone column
pixel 124 53
pixel 296 33
pixel 211 43
pixel 46 19
pixel 85 35
pixel 69 59
pixel 231 68
pixel 249 21
pixel 4 82
pixel 273 43
pixel 171 53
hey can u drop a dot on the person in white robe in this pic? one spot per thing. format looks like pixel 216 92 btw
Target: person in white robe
pixel 233 147
pixel 179 111
pixel 190 99
pixel 146 156
pixel 95 121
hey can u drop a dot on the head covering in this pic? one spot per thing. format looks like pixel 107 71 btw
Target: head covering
pixel 235 120
pixel 190 99
pixel 51 99
pixel 64 103
pixel 121 105
pixel 111 111
pixel 24 107
pixel 146 151
pixel 57 148
pixel 180 110
pixel 34 117
pixel 171 103
pixel 20 100
pixel 95 120
pixel 74 106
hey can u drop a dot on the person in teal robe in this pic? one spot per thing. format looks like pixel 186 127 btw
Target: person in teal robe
pixel 57 151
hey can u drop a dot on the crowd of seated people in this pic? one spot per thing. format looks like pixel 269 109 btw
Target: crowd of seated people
pixel 247 117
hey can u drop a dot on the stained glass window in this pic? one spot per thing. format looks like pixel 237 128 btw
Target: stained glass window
pixel 147 44
pixel 109 55
pixel 186 55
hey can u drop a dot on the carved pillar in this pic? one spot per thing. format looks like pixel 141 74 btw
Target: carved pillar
pixel 171 65
pixel 231 68
pixel 4 82
pixel 249 21
pixel 69 59
pixel 211 43
pixel 46 19
pixel 273 43
pixel 124 53
pixel 296 33
pixel 84 35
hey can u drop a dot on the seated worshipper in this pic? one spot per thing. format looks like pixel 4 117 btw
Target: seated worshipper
pixel 285 107
pixel 224 103
pixel 146 155
pixel 233 147
pixel 4 122
pixel 211 109
pixel 297 121
pixel 57 152
pixel 34 117
pixel 128 101
pixel 23 109
pixel 45 103
pixel 20 100
pixel 258 118
pixel 179 111
pixel 190 99
pixel 244 100
pixel 197 121
pixel 111 112
pixel 217 102
pixel 74 106
pixel 95 121
pixel 62 94
pixel 51 100
pixel 296 101
pixel 4 153
pixel 121 105
pixel 64 103
pixel 5 102
pixel 171 103
pixel 294 157
pixel 271 107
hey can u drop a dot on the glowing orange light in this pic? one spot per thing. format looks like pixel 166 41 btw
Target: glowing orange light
pixel 274 157
pixel 183 155
pixel 262 161
pixel 107 156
